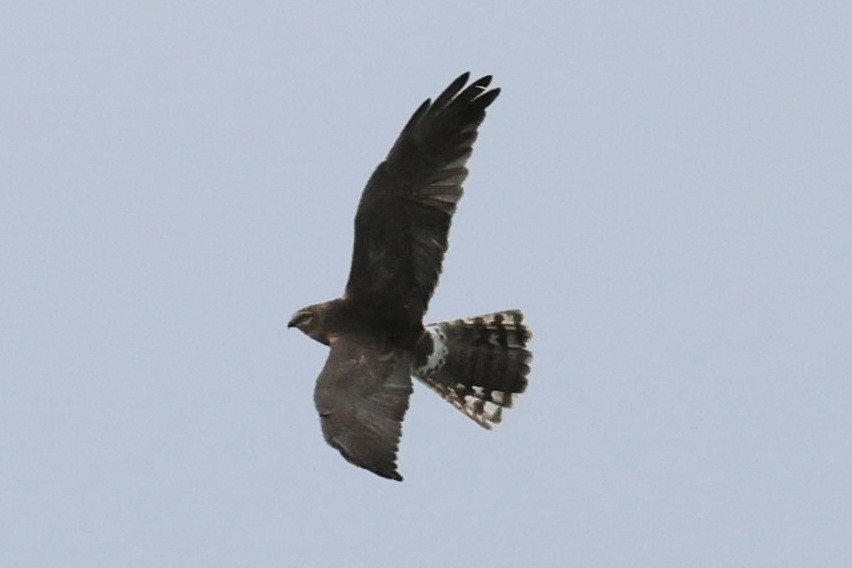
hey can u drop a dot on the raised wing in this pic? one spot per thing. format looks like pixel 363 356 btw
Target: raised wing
pixel 405 211
pixel 362 395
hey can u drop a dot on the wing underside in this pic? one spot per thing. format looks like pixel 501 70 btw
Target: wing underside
pixel 362 395
pixel 405 211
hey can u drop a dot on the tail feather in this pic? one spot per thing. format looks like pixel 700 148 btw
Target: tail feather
pixel 478 364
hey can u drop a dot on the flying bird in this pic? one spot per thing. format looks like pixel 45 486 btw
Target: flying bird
pixel 375 330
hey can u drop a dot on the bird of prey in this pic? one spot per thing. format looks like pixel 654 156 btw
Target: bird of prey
pixel 375 330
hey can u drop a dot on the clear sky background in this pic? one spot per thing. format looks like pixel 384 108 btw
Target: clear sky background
pixel 665 188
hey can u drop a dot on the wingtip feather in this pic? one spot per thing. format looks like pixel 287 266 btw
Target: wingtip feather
pixel 482 82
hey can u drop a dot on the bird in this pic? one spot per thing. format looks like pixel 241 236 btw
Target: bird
pixel 375 330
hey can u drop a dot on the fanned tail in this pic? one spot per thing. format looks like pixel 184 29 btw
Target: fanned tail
pixel 478 364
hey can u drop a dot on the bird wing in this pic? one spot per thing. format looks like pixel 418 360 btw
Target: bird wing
pixel 362 394
pixel 406 208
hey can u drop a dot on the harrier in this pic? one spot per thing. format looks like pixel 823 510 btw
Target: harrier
pixel 375 330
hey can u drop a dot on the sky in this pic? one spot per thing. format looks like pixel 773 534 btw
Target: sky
pixel 665 189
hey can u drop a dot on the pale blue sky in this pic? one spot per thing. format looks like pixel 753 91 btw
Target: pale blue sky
pixel 665 188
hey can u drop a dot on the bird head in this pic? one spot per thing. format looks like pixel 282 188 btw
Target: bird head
pixel 309 320
pixel 302 319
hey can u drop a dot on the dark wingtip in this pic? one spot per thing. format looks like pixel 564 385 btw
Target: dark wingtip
pixel 451 91
pixel 482 81
pixel 394 475
pixel 488 97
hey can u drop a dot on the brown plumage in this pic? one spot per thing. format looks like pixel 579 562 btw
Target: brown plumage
pixel 375 330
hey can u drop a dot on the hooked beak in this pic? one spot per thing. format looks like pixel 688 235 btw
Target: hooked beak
pixel 292 322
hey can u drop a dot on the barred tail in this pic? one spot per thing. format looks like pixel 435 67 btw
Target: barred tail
pixel 478 364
